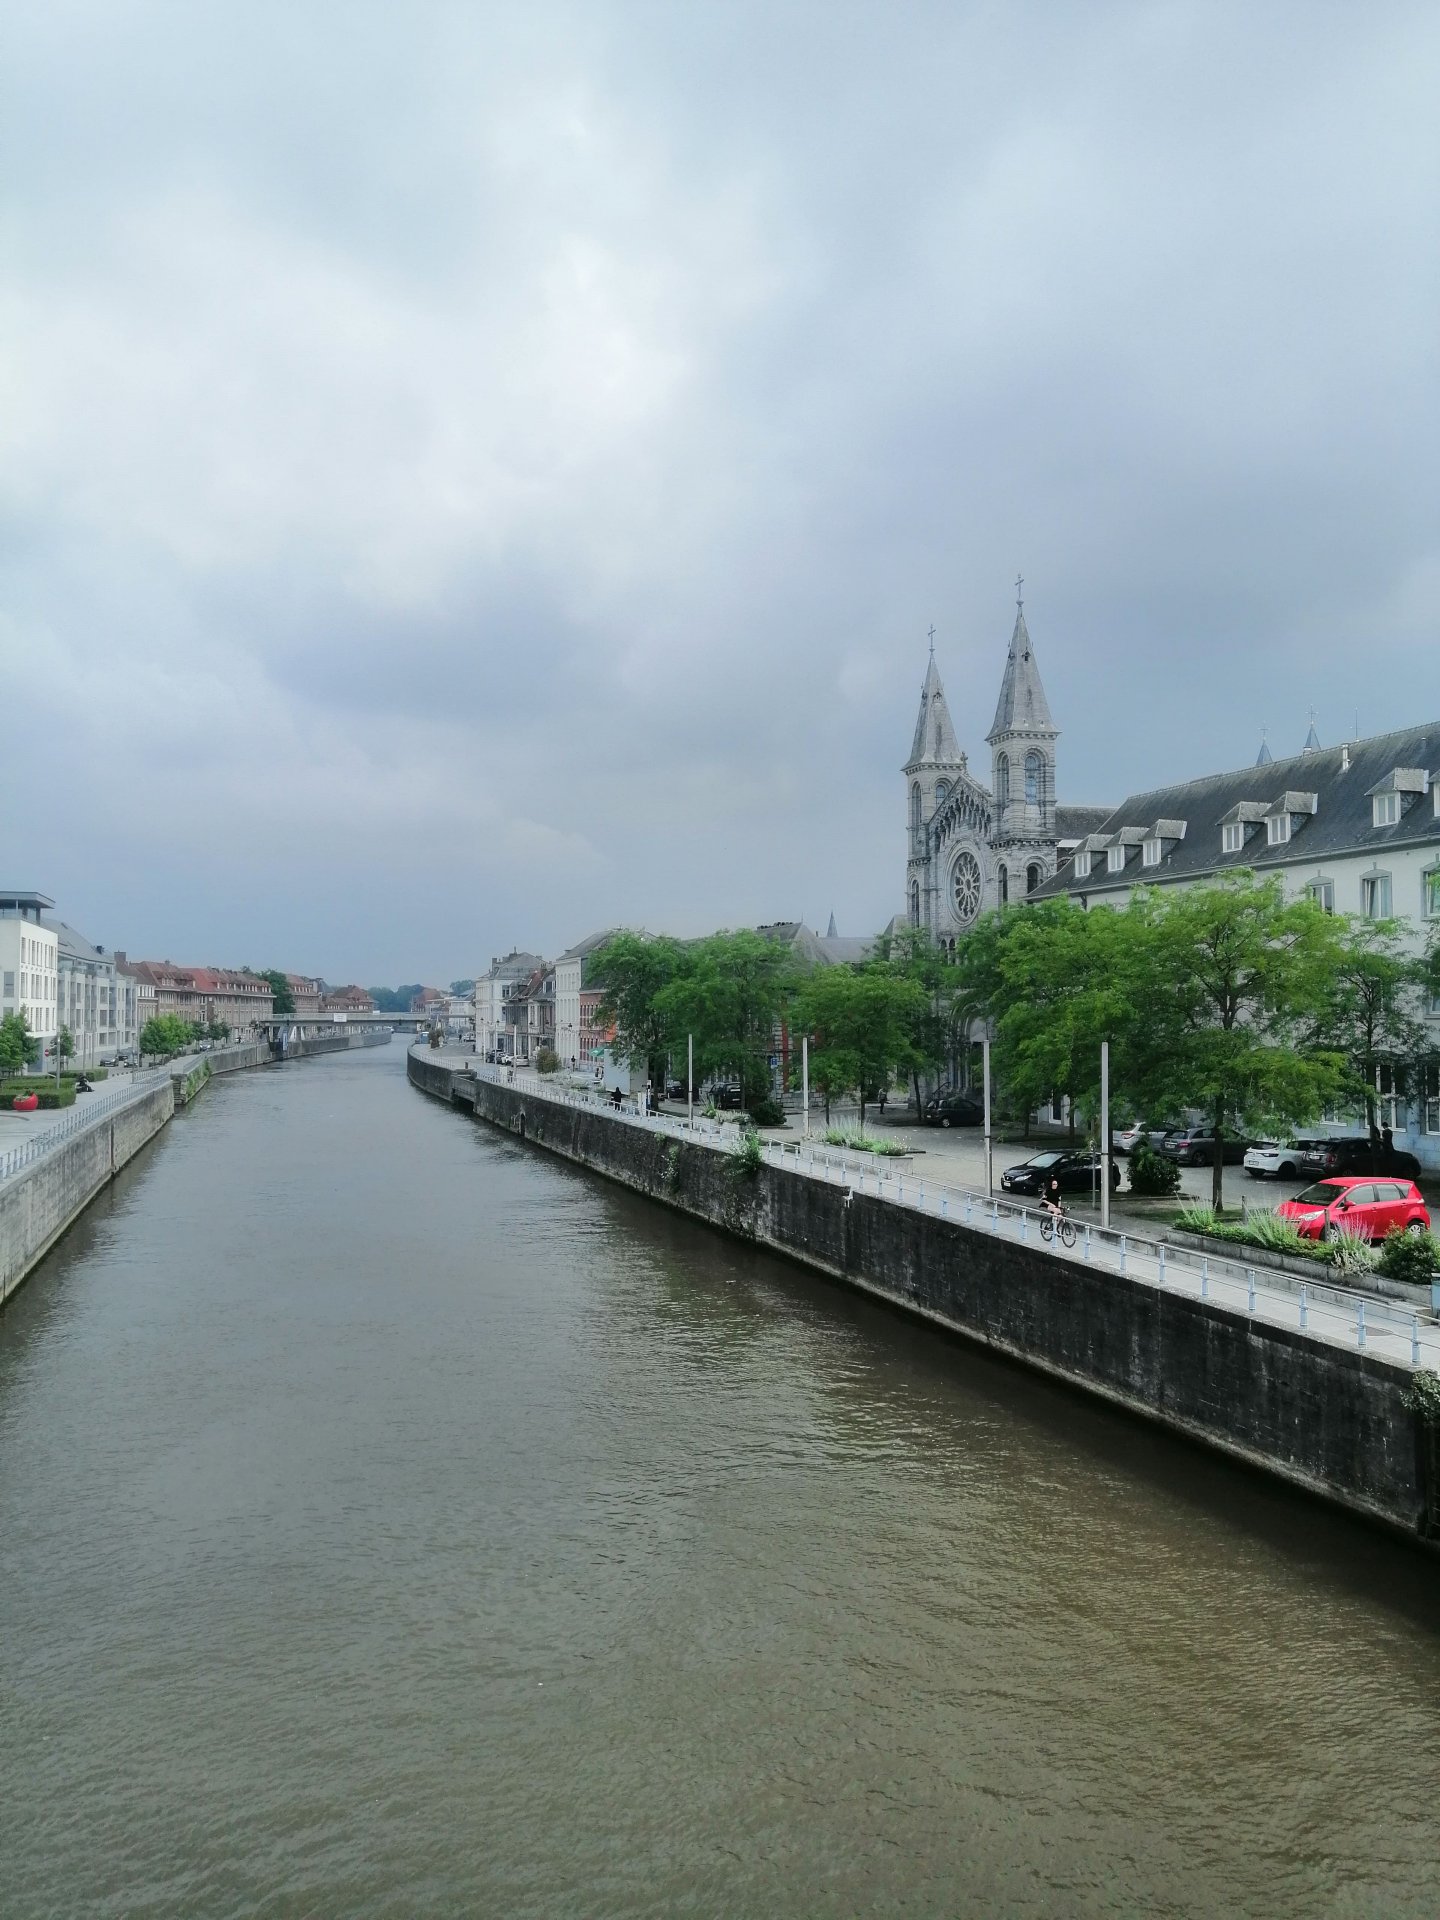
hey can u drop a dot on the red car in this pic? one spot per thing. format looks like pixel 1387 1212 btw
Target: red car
pixel 1369 1207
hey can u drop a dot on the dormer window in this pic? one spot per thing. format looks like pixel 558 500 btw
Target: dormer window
pixel 1232 836
pixel 1150 855
pixel 1115 859
pixel 1277 829
pixel 1387 809
pixel 1082 865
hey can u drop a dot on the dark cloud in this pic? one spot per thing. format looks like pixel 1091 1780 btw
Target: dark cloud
pixel 472 474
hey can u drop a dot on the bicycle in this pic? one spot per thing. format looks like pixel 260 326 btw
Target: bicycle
pixel 1058 1224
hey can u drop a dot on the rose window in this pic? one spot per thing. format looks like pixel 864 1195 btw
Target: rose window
pixel 965 888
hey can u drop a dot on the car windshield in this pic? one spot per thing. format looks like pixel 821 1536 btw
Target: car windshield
pixel 1044 1159
pixel 1322 1194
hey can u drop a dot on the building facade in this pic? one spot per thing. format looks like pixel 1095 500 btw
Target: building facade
pixel 491 993
pixel 578 1037
pixel 1355 827
pixel 30 965
pixel 972 847
pixel 203 996
pixel 343 1001
pixel 96 1001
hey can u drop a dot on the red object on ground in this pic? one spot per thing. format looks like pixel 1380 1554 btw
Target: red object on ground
pixel 25 1102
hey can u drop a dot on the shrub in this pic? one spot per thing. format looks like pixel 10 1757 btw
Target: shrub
pixel 1350 1251
pixel 547 1060
pixel 747 1156
pixel 49 1095
pixel 864 1142
pixel 1153 1173
pixel 766 1111
pixel 1197 1219
pixel 1410 1256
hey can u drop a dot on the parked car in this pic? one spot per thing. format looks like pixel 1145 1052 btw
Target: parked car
pixel 1195 1147
pixel 1369 1207
pixel 726 1098
pixel 1126 1139
pixel 1357 1154
pixel 1077 1173
pixel 953 1110
pixel 1278 1159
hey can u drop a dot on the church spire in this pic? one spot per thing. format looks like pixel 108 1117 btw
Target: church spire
pixel 934 730
pixel 1022 707
pixel 1264 757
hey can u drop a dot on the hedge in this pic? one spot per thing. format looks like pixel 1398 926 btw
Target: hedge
pixel 48 1093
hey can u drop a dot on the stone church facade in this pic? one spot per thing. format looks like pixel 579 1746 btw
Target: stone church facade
pixel 973 847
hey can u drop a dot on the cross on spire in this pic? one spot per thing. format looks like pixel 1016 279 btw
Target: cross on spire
pixel 932 642
pixel 1019 589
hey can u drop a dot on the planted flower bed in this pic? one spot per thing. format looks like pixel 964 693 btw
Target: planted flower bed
pixel 879 1143
pixel 1412 1257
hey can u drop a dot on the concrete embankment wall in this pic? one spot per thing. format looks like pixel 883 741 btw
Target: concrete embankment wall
pixel 1334 1421
pixel 36 1206
pixel 39 1203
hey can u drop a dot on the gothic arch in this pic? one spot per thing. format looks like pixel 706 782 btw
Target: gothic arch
pixel 1002 783
pixel 1034 778
pixel 1034 875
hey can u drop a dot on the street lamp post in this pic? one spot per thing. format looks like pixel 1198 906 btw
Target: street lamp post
pixel 989 1158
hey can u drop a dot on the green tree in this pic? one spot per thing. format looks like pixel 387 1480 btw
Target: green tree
pixel 733 989
pixel 1374 1013
pixel 462 986
pixel 910 954
pixel 65 1041
pixel 863 1024
pixel 1237 979
pixel 165 1033
pixel 280 988
pixel 17 1043
pixel 632 971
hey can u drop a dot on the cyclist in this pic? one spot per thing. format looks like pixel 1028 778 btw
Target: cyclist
pixel 1051 1197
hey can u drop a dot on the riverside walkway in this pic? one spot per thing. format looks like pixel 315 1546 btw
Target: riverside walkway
pixel 26 1138
pixel 1319 1309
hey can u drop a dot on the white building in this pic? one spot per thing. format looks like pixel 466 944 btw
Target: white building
pixel 492 990
pixel 94 1002
pixel 574 1040
pixel 1356 827
pixel 29 964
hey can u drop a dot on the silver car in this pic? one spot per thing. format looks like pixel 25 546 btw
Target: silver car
pixel 1277 1160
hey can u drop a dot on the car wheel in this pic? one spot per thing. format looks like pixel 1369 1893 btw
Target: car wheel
pixel 1287 1172
pixel 944 1119
pixel 1415 1226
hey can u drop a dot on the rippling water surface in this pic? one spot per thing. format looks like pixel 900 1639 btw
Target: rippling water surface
pixel 394 1521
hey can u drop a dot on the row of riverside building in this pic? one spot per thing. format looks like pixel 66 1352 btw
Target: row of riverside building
pixel 59 979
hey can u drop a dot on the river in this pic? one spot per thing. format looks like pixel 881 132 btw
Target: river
pixel 395 1521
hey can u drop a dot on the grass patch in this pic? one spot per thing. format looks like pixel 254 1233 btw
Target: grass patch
pixel 883 1144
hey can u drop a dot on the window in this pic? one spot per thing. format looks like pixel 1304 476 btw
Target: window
pixel 1430 1096
pixel 1034 781
pixel 1322 892
pixel 914 904
pixel 1033 877
pixel 1277 831
pixel 1387 811
pixel 1114 860
pixel 1374 896
pixel 1002 783
pixel 1387 1097
pixel 1004 888
pixel 1082 865
pixel 1232 838
pixel 942 794
pixel 914 811
pixel 10 979
pixel 1150 855
pixel 1430 894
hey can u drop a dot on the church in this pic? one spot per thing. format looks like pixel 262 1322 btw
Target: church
pixel 973 847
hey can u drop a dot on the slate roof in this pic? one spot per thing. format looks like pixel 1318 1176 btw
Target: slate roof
pixel 74 945
pixel 1073 823
pixel 1022 707
pixel 934 730
pixel 1342 822
pixel 591 944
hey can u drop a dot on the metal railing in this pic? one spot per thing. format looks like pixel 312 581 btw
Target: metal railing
pixel 99 1107
pixel 1319 1308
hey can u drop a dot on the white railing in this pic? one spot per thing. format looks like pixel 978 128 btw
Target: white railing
pixel 77 1119
pixel 1316 1307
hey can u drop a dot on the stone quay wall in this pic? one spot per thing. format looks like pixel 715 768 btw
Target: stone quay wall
pixel 39 1203
pixel 1335 1421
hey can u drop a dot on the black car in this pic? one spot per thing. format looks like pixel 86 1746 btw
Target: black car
pixel 954 1110
pixel 1076 1172
pixel 1358 1154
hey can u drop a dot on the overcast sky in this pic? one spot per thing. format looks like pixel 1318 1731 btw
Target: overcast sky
pixel 475 474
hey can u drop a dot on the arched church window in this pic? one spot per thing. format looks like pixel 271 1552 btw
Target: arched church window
pixel 914 810
pixel 1033 877
pixel 942 794
pixel 1002 782
pixel 1034 782
pixel 914 903
pixel 1004 888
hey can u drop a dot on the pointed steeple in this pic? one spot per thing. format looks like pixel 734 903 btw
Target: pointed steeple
pixel 1022 707
pixel 830 931
pixel 1312 739
pixel 1264 757
pixel 934 729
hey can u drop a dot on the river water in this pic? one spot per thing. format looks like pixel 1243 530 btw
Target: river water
pixel 395 1521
